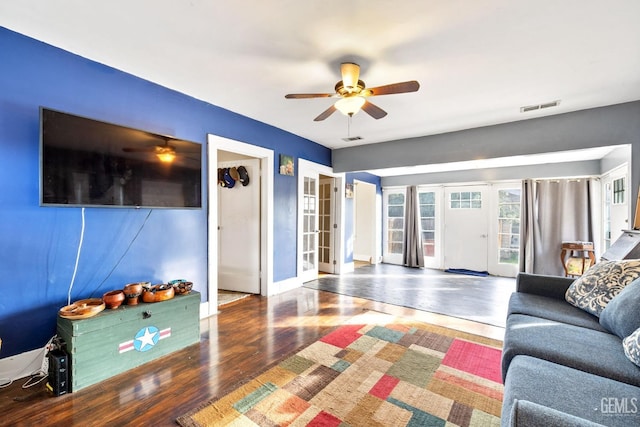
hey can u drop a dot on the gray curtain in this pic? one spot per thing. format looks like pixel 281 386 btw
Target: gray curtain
pixel 554 211
pixel 413 255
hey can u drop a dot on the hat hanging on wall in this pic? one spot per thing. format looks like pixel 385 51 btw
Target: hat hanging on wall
pixel 244 176
pixel 234 173
pixel 228 179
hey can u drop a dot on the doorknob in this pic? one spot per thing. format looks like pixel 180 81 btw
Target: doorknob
pixel 484 236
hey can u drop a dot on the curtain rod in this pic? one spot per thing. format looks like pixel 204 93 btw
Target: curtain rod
pixel 557 180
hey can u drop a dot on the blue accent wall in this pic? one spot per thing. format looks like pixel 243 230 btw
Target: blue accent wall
pixel 39 244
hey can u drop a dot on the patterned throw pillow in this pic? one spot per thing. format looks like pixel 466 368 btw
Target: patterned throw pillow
pixel 594 289
pixel 631 345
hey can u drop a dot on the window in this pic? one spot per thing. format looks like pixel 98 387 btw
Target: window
pixel 618 191
pixel 395 223
pixel 607 216
pixel 466 200
pixel 509 226
pixel 427 201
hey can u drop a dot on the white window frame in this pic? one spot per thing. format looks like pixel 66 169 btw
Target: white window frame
pixel 387 257
pixel 494 265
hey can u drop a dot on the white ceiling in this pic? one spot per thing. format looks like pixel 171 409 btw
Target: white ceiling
pixel 477 62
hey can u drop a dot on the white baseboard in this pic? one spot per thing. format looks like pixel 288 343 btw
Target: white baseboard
pixel 348 267
pixel 21 365
pixel 285 285
pixel 362 257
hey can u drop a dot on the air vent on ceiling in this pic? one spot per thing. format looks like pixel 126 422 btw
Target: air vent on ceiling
pixel 352 138
pixel 528 108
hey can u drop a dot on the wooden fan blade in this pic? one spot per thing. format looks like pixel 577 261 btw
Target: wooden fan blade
pixel 350 74
pixel 373 110
pixel 138 150
pixel 309 95
pixel 404 87
pixel 326 113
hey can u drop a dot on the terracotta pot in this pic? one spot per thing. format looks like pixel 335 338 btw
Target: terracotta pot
pixel 132 292
pixel 113 299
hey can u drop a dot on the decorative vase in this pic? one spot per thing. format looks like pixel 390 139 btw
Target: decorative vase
pixel 132 292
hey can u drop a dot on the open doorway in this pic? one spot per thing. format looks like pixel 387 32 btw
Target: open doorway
pixel 239 224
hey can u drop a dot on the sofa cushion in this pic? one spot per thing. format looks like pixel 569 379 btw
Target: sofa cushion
pixel 594 289
pixel 622 315
pixel 570 391
pixel 596 352
pixel 631 346
pixel 552 309
pixel 525 413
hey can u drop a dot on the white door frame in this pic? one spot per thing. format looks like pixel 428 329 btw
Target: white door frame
pixel 266 156
pixel 308 167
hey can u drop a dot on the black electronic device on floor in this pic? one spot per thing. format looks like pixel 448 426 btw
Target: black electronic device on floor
pixel 58 372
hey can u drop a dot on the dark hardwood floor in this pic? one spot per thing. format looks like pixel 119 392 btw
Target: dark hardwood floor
pixel 239 342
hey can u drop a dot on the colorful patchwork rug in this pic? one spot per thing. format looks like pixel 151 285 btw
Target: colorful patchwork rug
pixel 390 373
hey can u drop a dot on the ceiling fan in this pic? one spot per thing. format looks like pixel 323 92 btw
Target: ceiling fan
pixel 183 151
pixel 164 152
pixel 353 94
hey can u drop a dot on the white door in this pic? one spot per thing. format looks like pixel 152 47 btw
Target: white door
pixel 616 206
pixel 466 227
pixel 393 204
pixel 239 231
pixel 326 225
pixel 430 201
pixel 309 210
pixel 364 207
pixel 504 226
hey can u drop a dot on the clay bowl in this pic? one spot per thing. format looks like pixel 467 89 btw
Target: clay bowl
pixel 132 292
pixel 156 293
pixel 181 286
pixel 113 299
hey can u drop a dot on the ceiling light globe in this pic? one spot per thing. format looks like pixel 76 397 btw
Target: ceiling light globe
pixel 350 105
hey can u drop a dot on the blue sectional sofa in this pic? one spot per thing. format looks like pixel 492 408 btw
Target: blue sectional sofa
pixel 565 366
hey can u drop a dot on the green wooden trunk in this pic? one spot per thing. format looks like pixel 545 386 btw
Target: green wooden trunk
pixel 117 340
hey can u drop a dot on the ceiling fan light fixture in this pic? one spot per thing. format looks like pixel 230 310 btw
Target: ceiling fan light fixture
pixel 350 74
pixel 350 105
pixel 166 154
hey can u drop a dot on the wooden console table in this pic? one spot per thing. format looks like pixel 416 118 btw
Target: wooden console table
pixel 114 341
pixel 581 257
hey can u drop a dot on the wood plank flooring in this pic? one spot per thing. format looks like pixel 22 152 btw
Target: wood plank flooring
pixel 239 342
pixel 481 299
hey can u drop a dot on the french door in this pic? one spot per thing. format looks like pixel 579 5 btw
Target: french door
pixel 309 209
pixel 326 222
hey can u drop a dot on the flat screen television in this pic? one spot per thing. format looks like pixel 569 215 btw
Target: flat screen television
pixel 86 162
